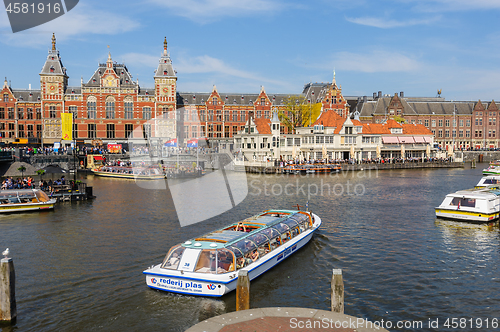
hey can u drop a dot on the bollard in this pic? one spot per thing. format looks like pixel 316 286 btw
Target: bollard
pixel 8 311
pixel 243 291
pixel 337 291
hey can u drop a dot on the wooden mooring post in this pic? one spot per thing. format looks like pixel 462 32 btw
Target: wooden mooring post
pixel 8 311
pixel 337 291
pixel 243 291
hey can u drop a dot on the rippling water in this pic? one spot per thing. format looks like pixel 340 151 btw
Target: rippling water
pixel 79 268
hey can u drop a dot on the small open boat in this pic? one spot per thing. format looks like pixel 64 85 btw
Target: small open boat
pixel 19 200
pixel 128 172
pixel 208 265
pixel 471 205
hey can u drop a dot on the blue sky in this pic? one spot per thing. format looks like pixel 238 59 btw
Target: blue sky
pixel 239 45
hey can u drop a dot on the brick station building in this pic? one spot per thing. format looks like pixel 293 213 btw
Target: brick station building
pixel 112 107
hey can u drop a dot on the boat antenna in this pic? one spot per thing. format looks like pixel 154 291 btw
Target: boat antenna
pixel 307 205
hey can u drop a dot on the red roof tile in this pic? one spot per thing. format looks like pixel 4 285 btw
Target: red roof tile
pixel 263 126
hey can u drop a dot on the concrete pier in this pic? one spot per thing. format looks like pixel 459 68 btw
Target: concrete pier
pixel 286 319
pixel 8 310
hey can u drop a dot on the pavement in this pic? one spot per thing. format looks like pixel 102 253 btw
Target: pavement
pixel 284 320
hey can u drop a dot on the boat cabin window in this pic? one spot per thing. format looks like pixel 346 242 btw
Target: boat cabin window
pixel 225 261
pixel 465 202
pixel 491 181
pixel 173 258
pixel 245 245
pixel 207 262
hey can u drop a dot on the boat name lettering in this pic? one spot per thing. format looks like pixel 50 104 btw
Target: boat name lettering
pixel 180 283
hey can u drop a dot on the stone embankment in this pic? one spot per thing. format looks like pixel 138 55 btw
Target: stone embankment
pixel 367 166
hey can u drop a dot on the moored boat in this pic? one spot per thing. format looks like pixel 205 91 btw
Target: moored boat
pixel 488 181
pixel 492 170
pixel 471 205
pixel 208 265
pixel 128 172
pixel 21 200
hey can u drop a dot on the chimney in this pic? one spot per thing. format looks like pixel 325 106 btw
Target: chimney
pixel 402 94
pixel 374 95
pixel 365 99
pixel 380 94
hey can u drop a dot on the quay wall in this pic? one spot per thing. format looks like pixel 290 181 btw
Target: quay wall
pixel 360 167
pixel 487 156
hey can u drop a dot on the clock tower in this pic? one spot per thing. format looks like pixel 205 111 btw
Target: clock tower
pixel 53 83
pixel 166 95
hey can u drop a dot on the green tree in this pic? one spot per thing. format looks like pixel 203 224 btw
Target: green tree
pixel 296 113
pixel 22 169
pixel 40 172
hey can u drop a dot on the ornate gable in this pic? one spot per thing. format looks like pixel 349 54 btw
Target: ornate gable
pixel 214 100
pixel 262 102
pixel 479 106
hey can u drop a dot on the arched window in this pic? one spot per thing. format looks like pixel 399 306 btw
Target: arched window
pixel 110 108
pixel 91 107
pixel 129 107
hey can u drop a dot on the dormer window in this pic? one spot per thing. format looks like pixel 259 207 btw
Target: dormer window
pixel 194 97
pixel 93 80
pixel 51 69
pixel 147 93
pixel 99 72
pixel 164 61
pixel 126 81
pixel 73 91
pixel 165 72
pixel 52 58
pixel 122 72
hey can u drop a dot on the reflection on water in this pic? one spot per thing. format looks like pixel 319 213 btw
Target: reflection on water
pixel 79 268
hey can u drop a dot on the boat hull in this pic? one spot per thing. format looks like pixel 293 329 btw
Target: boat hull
pixel 129 176
pixel 468 216
pixel 19 207
pixel 216 285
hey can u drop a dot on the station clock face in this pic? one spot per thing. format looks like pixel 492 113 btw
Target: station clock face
pixel 110 81
pixel 52 88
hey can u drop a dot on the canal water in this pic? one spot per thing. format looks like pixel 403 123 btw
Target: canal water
pixel 79 268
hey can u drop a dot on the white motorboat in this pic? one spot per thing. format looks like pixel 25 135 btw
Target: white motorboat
pixel 488 181
pixel 208 265
pixel 471 205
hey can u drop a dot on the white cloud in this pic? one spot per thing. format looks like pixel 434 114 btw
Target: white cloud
pixel 209 10
pixel 385 23
pixel 80 21
pixel 139 59
pixel 453 5
pixel 376 61
pixel 207 64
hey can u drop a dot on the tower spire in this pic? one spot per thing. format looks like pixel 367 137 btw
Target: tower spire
pixel 165 46
pixel 53 41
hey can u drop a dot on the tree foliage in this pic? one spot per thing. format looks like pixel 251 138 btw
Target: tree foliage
pixel 296 113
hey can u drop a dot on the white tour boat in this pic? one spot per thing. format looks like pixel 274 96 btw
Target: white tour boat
pixel 489 180
pixel 208 265
pixel 472 205
pixel 492 170
pixel 20 200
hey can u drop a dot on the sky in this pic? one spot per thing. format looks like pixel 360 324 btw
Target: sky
pixel 414 46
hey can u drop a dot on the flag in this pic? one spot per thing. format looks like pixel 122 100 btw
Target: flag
pixel 67 126
pixel 172 142
pixel 192 143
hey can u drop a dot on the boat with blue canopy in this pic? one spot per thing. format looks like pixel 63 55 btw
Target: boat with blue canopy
pixel 208 265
